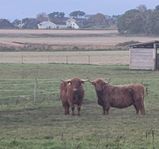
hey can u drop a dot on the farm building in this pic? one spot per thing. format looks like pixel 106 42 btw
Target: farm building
pixel 144 56
pixel 47 25
pixel 71 23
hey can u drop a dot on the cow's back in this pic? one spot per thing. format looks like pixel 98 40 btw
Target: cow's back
pixel 119 96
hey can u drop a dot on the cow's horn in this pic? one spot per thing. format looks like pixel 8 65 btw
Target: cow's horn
pixel 92 82
pixel 83 80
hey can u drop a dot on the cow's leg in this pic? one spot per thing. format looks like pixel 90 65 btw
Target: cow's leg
pixel 67 110
pixel 107 109
pixel 66 107
pixel 73 109
pixel 142 108
pixel 136 106
pixel 79 109
pixel 104 110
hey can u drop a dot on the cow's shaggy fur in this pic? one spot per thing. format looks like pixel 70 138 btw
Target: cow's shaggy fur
pixel 120 96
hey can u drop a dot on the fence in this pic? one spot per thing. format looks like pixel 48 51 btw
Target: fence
pixel 89 57
pixel 13 91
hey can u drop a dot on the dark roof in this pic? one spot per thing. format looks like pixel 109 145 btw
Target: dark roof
pixel 146 45
pixel 59 21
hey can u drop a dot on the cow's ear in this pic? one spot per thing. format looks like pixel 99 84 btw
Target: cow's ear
pixel 82 82
pixel 104 84
pixel 69 82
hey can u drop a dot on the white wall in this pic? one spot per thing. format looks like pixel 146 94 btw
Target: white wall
pixel 141 58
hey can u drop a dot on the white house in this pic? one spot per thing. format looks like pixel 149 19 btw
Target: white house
pixel 61 26
pixel 71 23
pixel 47 25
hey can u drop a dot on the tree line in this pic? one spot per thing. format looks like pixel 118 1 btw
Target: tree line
pixel 135 21
pixel 139 21
pixel 95 21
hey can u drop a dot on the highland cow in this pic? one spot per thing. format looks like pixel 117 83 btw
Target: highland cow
pixel 71 94
pixel 120 96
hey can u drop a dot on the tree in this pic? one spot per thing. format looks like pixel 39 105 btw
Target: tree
pixel 157 7
pixel 42 17
pixel 155 22
pixel 132 21
pixel 140 20
pixel 17 23
pixel 142 8
pixel 56 15
pixel 30 23
pixel 77 14
pixel 98 19
pixel 5 24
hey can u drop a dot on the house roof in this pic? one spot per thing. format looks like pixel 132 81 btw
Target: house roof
pixel 71 19
pixel 146 45
pixel 46 22
pixel 59 21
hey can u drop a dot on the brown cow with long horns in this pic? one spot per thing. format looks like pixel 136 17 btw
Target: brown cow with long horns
pixel 120 96
pixel 71 94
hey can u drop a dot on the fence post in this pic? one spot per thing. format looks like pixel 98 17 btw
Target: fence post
pixel 22 59
pixel 48 59
pixel 66 59
pixel 35 89
pixel 89 59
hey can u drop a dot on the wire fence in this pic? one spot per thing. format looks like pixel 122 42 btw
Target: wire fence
pixel 89 57
pixel 34 90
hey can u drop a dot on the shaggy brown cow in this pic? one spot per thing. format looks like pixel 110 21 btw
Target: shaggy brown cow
pixel 72 94
pixel 119 96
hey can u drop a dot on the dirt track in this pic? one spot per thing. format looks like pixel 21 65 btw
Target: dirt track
pixel 66 39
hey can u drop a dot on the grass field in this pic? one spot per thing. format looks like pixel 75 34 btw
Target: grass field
pixel 41 124
pixel 50 40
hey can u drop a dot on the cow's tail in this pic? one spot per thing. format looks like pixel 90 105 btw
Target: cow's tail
pixel 146 90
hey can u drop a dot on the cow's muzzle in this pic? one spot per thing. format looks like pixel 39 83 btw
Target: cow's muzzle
pixel 75 89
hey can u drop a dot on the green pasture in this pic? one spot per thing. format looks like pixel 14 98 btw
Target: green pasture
pixel 31 115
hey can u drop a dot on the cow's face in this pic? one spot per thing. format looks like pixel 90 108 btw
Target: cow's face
pixel 76 84
pixel 99 85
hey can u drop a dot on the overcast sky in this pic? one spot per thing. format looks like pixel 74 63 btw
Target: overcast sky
pixel 12 9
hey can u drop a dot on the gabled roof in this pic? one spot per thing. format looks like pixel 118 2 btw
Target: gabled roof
pixel 71 20
pixel 146 45
pixel 46 22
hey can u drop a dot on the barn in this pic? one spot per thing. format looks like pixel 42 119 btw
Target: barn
pixel 144 56
pixel 47 25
